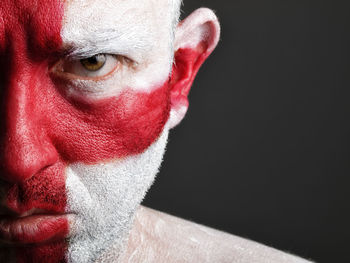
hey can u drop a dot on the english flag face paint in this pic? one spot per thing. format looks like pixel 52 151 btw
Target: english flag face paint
pixel 78 154
pixel 81 142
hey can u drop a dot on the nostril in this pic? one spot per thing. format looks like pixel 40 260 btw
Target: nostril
pixel 4 186
pixel 44 168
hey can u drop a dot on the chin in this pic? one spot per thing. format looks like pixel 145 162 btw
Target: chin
pixel 103 199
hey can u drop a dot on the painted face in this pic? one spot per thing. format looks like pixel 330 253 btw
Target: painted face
pixel 87 100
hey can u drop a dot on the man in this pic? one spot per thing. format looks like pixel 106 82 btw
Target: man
pixel 89 92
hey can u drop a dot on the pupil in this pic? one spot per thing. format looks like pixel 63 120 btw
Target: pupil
pixel 96 59
pixel 93 60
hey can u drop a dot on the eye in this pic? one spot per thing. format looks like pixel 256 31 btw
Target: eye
pixel 97 66
pixel 94 63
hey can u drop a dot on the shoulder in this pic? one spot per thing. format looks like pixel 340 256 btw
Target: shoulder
pixel 159 237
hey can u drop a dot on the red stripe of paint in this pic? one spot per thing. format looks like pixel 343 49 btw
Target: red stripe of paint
pixel 110 128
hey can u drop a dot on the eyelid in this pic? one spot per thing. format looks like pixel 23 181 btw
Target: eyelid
pixel 59 68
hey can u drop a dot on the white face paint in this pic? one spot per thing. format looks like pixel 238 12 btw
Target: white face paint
pixel 104 197
pixel 141 31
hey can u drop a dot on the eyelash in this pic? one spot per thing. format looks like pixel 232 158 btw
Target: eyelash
pixel 92 87
pixel 74 68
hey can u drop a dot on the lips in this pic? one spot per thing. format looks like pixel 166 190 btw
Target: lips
pixel 33 229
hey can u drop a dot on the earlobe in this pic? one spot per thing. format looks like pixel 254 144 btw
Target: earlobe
pixel 195 38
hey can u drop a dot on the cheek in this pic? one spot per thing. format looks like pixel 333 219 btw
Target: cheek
pixel 106 195
pixel 112 128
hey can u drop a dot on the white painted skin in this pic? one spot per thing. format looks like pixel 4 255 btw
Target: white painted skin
pixel 158 237
pixel 105 198
pixel 141 31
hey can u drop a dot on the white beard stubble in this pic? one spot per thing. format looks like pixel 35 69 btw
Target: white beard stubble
pixel 104 199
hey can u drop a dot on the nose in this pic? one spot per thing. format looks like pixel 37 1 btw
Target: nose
pixel 25 146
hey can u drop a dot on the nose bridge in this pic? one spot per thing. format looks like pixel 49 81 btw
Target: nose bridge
pixel 25 147
pixel 19 102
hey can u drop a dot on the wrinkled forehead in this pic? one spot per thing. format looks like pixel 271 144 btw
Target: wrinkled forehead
pixel 121 12
pixel 135 25
pixel 141 21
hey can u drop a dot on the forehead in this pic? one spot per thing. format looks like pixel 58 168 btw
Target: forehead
pixel 119 9
pixel 37 21
pixel 145 18
pixel 141 19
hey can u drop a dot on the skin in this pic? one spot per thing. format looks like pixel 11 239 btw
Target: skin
pixel 80 148
pixel 158 237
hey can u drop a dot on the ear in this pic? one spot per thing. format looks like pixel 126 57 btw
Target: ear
pixel 195 38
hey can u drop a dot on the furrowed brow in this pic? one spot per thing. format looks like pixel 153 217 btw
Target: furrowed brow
pixel 111 41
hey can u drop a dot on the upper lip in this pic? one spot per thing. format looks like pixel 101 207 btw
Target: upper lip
pixel 8 213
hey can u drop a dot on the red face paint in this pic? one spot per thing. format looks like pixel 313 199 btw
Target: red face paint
pixel 31 171
pixel 109 128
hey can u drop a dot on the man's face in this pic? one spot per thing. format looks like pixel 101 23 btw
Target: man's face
pixel 86 104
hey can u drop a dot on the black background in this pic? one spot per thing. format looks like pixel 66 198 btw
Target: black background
pixel 264 150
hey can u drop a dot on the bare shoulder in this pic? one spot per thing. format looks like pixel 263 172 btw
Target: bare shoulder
pixel 159 237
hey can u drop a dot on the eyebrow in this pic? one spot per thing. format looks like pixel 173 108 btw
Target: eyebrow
pixel 108 40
